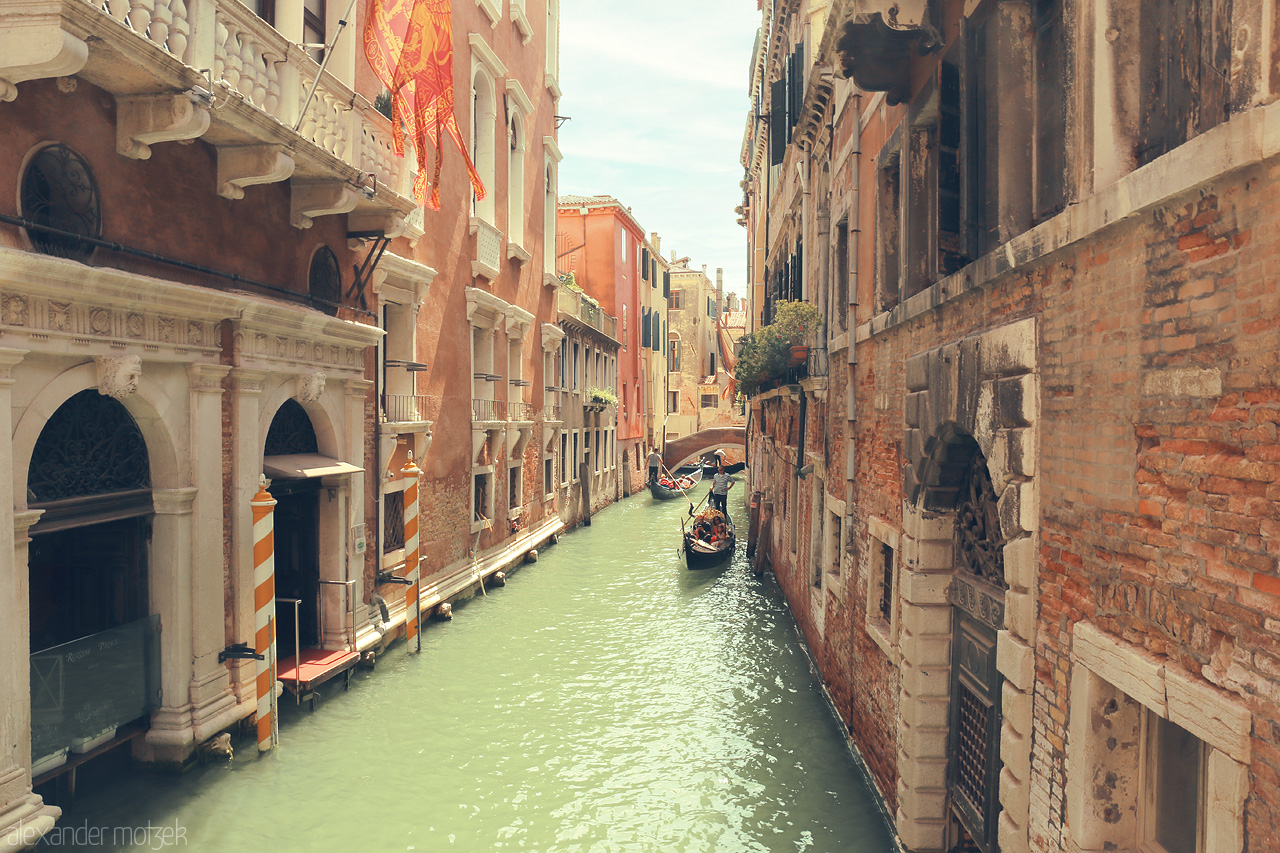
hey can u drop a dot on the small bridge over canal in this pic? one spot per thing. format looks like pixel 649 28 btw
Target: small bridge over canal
pixel 689 448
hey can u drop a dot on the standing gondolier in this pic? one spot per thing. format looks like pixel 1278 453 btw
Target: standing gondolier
pixel 655 459
pixel 720 486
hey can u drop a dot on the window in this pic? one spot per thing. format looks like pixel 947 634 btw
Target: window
pixel 673 301
pixel 599 452
pixel 392 521
pixel 313 27
pixel 548 475
pixel 59 190
pixel 576 361
pixel 673 355
pixel 564 458
pixel 325 280
pixel 673 402
pixel 573 474
pixel 1180 744
pixel 515 483
pixel 1184 66
pixel 708 401
pixel 1173 787
pixel 840 284
pixel 484 115
pixel 549 218
pixel 515 176
pixel 882 580
pixel 552 73
pixel 482 498
pixel 1050 110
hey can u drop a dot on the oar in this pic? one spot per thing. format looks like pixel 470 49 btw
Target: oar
pixel 675 480
pixel 692 507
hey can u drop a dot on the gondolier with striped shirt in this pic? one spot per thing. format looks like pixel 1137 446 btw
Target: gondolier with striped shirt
pixel 655 459
pixel 720 486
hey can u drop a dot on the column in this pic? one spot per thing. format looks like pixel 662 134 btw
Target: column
pixel 170 739
pixel 213 704
pixel 24 817
pixel 264 603
pixel 246 471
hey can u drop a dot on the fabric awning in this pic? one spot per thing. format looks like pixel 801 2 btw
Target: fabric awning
pixel 302 466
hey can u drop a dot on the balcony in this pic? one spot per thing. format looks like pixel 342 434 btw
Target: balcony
pixel 213 70
pixel 488 411
pixel 579 309
pixel 404 408
pixel 487 261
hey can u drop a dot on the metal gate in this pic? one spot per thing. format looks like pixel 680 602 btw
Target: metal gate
pixel 976 594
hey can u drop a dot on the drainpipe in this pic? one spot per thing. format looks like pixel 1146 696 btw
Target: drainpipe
pixel 851 456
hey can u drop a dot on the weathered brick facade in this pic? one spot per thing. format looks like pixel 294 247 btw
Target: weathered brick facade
pixel 1052 460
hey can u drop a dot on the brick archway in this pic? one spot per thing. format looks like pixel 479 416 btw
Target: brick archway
pixel 688 447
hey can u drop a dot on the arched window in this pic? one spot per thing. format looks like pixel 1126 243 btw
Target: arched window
pixel 59 191
pixel 549 219
pixel 291 432
pixel 516 146
pixel 484 114
pixel 324 281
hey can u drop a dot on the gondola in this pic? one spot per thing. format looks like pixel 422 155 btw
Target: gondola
pixel 702 551
pixel 736 468
pixel 666 493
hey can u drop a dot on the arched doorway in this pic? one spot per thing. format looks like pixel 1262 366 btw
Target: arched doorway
pixel 297 533
pixel 94 658
pixel 976 594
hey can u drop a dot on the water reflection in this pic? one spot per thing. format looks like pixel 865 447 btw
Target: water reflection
pixel 606 700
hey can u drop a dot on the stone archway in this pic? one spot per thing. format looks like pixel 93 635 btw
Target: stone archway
pixel 975 398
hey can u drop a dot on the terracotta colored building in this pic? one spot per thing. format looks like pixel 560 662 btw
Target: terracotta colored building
pixel 1025 510
pixel 207 276
pixel 603 246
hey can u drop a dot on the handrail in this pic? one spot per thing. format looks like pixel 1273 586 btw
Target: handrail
pixel 297 648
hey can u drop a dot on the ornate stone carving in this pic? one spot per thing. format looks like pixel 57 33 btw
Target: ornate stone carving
pixel 118 375
pixel 60 316
pixel 167 330
pixel 14 311
pixel 135 325
pixel 310 387
pixel 100 321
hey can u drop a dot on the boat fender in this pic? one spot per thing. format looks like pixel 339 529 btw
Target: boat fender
pixel 531 557
pixel 499 578
pixel 444 611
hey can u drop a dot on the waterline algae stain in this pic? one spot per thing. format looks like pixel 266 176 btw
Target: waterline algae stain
pixel 606 700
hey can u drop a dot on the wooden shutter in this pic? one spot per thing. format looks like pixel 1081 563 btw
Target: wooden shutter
pixel 777 121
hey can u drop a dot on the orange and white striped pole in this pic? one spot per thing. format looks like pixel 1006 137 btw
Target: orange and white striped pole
pixel 264 614
pixel 412 614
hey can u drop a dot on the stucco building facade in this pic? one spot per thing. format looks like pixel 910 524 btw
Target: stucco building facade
pixel 1025 512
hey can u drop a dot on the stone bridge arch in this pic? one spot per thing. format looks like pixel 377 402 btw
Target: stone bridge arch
pixel 681 451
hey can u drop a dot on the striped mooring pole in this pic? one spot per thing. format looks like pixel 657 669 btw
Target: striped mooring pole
pixel 264 614
pixel 412 614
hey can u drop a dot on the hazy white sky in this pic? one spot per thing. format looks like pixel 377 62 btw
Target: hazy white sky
pixel 657 95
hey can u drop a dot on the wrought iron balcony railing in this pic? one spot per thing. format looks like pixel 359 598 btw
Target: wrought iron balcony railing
pixel 404 408
pixel 488 410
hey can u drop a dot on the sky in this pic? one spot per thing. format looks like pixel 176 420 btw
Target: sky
pixel 657 95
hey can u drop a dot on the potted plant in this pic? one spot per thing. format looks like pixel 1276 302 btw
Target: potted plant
pixel 601 397
pixel 767 352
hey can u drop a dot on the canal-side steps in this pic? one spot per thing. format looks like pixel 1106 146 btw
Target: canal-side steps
pixel 456 579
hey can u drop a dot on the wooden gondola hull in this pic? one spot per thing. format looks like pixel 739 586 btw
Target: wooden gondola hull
pixel 662 493
pixel 698 558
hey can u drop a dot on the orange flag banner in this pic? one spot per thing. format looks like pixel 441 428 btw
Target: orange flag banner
pixel 409 45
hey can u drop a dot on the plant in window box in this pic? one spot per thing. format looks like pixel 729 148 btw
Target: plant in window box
pixel 765 354
pixel 794 322
pixel 599 398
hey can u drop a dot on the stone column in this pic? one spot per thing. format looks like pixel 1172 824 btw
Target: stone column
pixel 24 817
pixel 170 739
pixel 213 704
pixel 246 471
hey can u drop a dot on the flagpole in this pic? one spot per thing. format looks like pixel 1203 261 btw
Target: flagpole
pixel 328 52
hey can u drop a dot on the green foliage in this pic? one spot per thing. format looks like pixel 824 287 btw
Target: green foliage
pixel 382 103
pixel 602 395
pixel 763 354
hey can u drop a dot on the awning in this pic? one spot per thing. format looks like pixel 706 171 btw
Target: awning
pixel 302 466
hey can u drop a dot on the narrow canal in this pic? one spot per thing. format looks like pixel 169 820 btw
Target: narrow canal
pixel 606 699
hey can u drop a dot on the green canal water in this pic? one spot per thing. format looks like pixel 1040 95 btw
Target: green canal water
pixel 606 699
